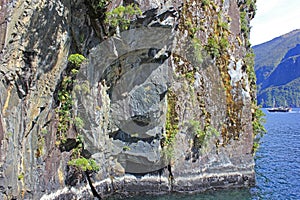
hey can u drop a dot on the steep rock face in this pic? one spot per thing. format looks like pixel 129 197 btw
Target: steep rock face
pixel 31 64
pixel 165 105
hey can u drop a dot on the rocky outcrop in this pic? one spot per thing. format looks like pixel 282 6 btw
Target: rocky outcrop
pixel 163 106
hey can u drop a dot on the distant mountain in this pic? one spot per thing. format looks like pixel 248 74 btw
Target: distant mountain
pixel 277 68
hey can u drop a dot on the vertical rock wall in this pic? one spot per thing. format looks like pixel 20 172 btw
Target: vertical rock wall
pixel 37 46
pixel 166 105
pixel 3 22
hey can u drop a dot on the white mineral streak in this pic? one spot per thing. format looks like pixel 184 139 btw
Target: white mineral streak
pixel 237 74
pixel 235 71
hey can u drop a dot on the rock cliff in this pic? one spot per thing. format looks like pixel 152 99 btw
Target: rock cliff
pixel 159 96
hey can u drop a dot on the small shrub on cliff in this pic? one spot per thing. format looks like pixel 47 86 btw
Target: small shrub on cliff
pixel 21 176
pixel 258 119
pixel 213 47
pixel 224 44
pixel 84 164
pixel 172 127
pixel 121 15
pixel 64 97
pixel 98 6
pixel 64 110
pixel 258 128
pixel 101 3
pixel 251 5
pixel 244 23
pixel 76 59
pixel 249 62
pixel 172 120
pixel 202 135
pixel 126 148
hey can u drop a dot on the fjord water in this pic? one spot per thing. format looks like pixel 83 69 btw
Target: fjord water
pixel 278 158
pixel 277 165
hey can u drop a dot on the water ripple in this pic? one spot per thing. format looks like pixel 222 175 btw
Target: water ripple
pixel 277 161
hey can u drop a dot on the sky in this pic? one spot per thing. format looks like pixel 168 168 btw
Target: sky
pixel 274 18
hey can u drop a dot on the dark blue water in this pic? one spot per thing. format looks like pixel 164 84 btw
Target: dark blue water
pixel 277 165
pixel 278 158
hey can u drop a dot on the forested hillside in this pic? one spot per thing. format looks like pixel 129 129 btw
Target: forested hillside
pixel 277 67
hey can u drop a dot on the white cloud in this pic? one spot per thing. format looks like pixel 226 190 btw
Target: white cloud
pixel 274 18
